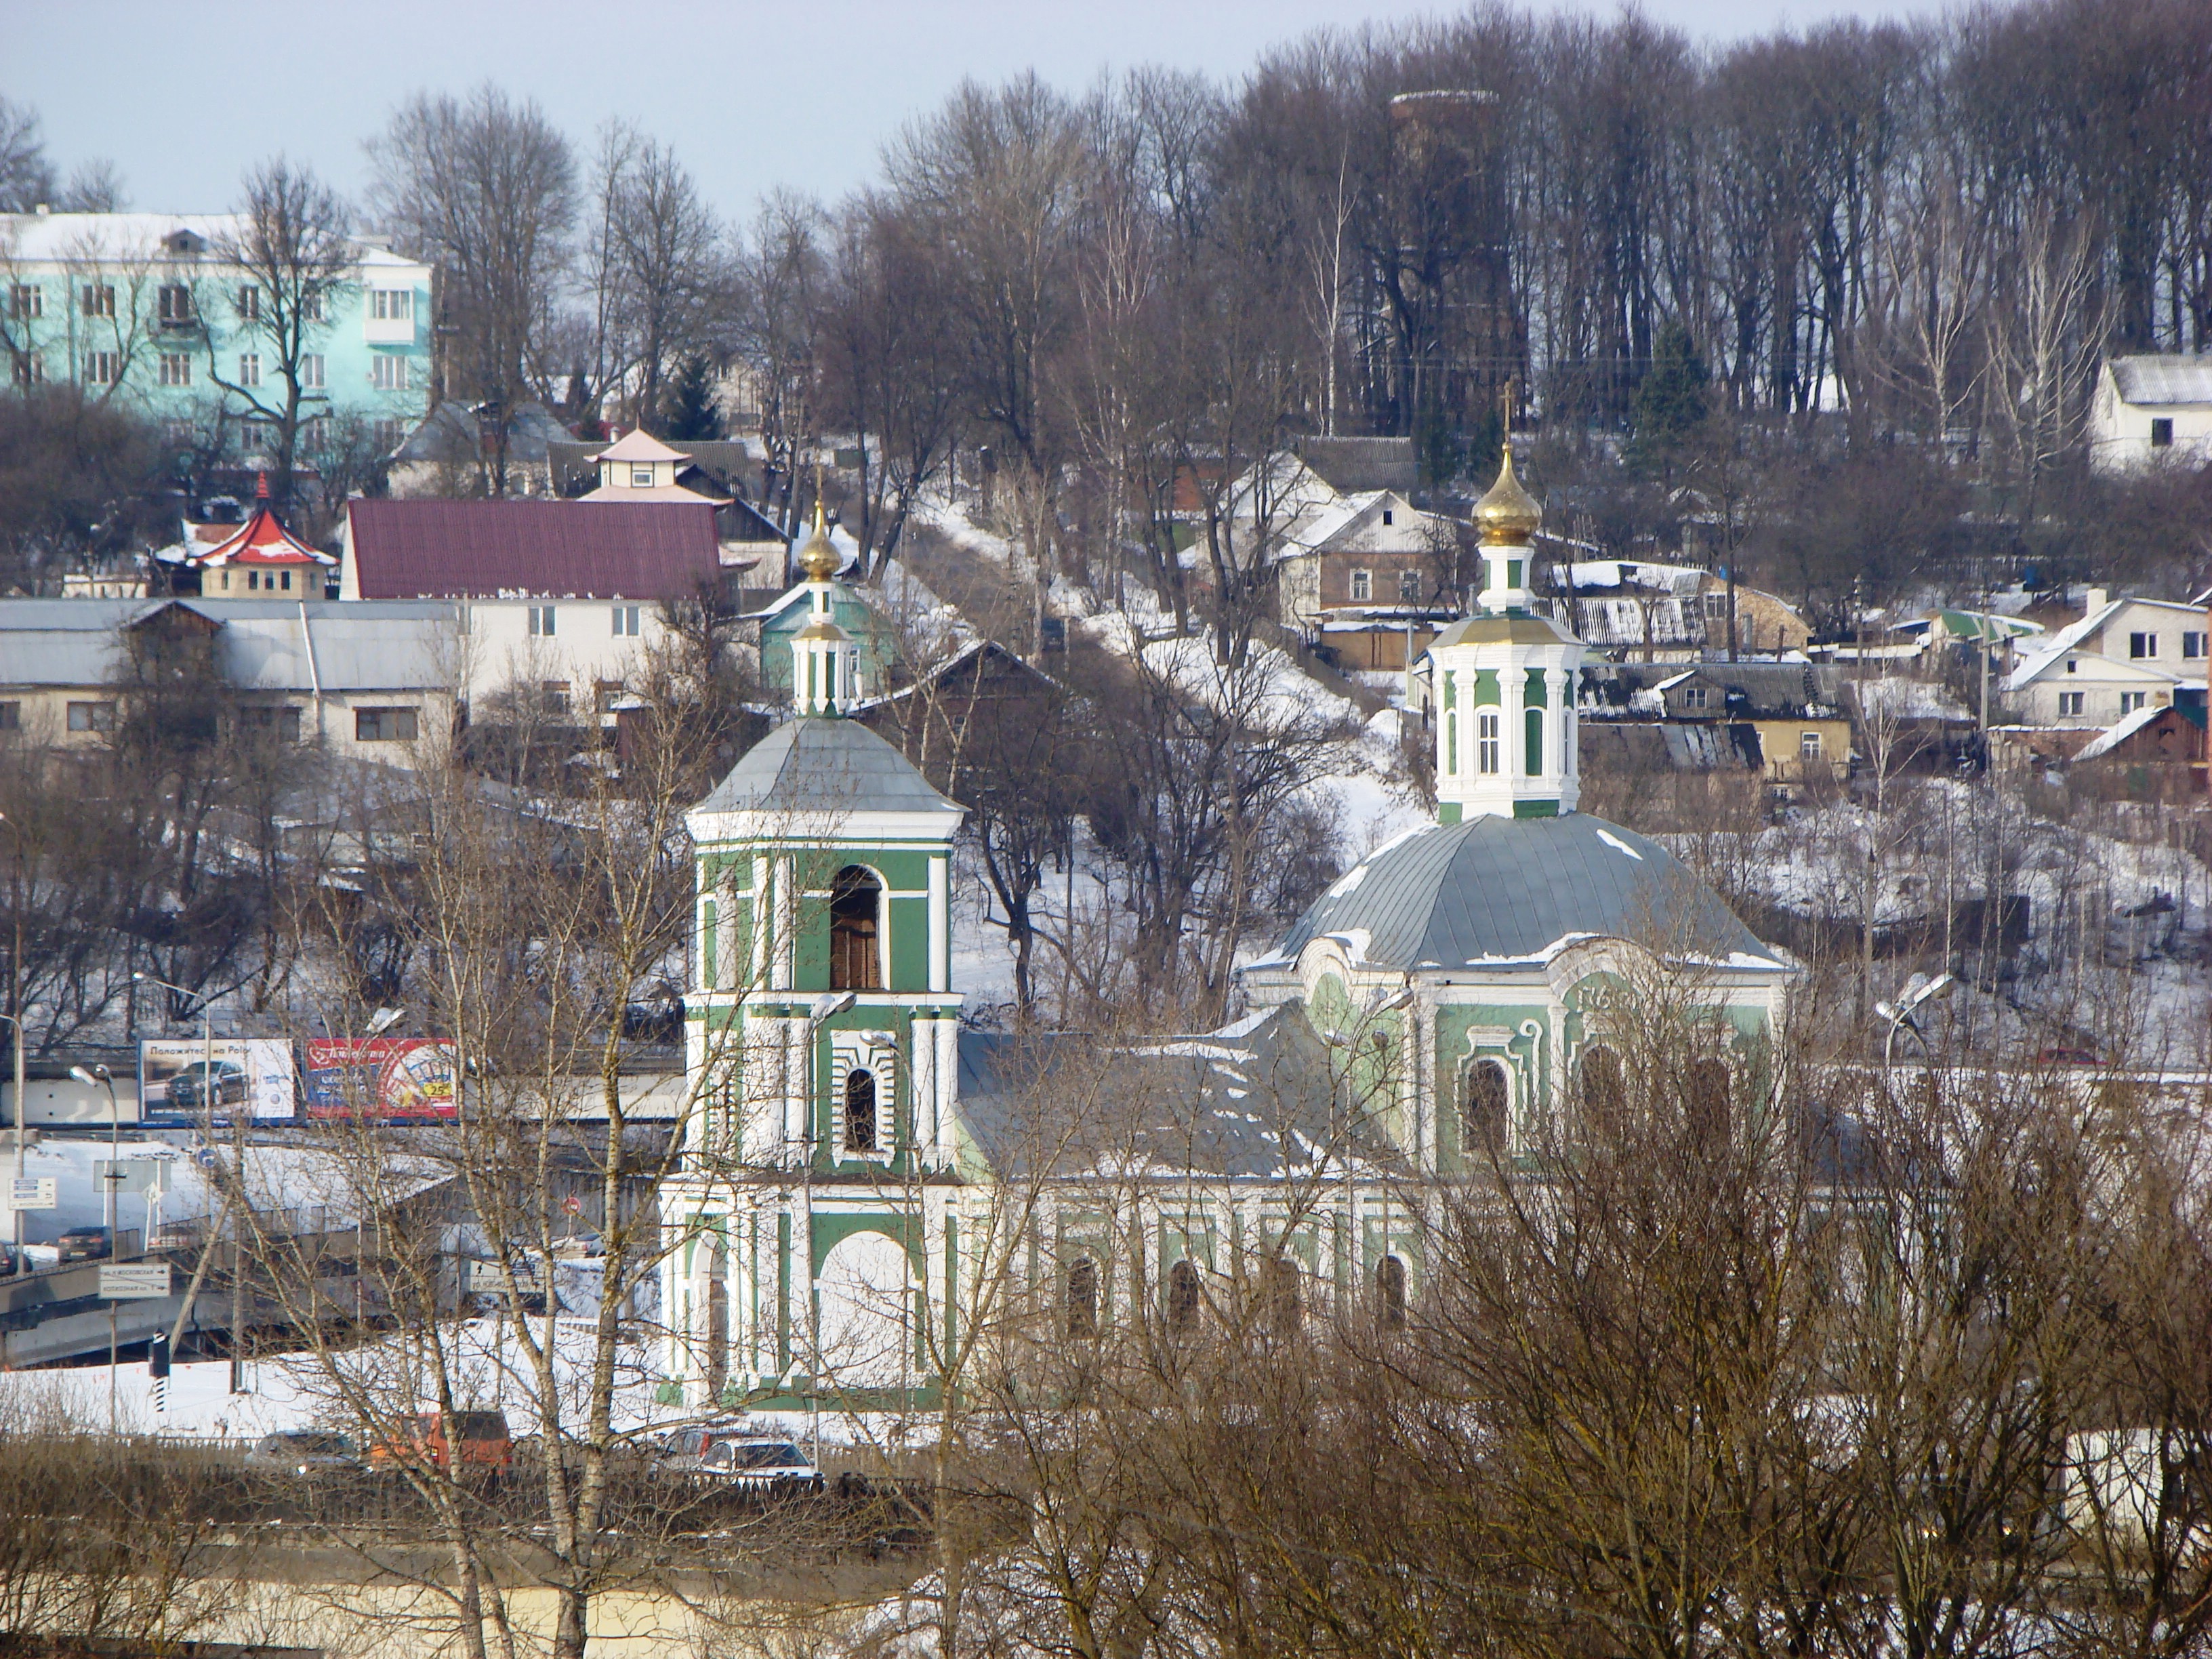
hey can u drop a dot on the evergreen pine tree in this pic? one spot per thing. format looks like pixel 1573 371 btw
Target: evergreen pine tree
pixel 1670 406
pixel 691 413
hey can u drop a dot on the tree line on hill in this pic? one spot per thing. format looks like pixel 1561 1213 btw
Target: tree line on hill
pixel 1780 289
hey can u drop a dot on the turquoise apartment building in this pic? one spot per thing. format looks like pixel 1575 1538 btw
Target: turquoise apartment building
pixel 143 307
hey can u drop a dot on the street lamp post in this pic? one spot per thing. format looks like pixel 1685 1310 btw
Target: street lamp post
pixel 237 1175
pixel 16 1020
pixel 102 1078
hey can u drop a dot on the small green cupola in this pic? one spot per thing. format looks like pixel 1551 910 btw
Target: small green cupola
pixel 826 663
pixel 1505 682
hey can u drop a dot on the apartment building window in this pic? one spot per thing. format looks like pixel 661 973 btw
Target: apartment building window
pixel 388 434
pixel 2069 702
pixel 26 301
pixel 1409 585
pixel 249 303
pixel 2131 701
pixel 1363 587
pixel 384 725
pixel 92 717
pixel 2162 433
pixel 391 305
pixel 2192 646
pixel 315 433
pixel 280 720
pixel 102 367
pixel 541 622
pixel 176 369
pixel 1809 746
pixel 1485 745
pixel 173 304
pixel 605 695
pixel 249 368
pixel 387 372
pixel 30 368
pixel 311 372
pixel 98 300
pixel 2142 645
pixel 626 620
pixel 553 696
pixel 310 306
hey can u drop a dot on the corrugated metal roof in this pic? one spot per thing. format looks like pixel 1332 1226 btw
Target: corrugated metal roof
pixel 1494 891
pixel 814 764
pixel 2163 380
pixel 359 646
pixel 555 549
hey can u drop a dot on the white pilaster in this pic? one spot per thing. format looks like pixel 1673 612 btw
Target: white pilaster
pixel 940 925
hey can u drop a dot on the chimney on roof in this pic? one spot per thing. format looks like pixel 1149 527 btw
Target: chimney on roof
pixel 2093 600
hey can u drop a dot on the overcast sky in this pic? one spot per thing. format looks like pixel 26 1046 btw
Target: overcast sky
pixel 803 93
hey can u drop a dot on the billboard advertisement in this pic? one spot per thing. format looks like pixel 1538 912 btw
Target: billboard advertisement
pixel 380 1078
pixel 183 1080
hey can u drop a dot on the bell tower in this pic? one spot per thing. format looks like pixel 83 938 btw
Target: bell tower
pixel 1505 682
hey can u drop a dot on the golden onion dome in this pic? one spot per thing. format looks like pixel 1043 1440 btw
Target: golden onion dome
pixel 1508 515
pixel 818 559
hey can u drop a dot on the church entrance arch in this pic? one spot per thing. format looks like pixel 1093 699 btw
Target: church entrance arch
pixel 861 1296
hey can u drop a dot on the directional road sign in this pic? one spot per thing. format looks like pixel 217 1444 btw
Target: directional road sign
pixel 31 1192
pixel 121 1282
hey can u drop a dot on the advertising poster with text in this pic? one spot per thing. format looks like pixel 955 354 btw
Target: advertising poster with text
pixel 182 1081
pixel 410 1078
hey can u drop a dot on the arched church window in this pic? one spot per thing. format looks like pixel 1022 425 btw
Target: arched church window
pixel 1487 745
pixel 860 1111
pixel 1390 1291
pixel 1183 1297
pixel 1482 1113
pixel 854 902
pixel 1602 1092
pixel 1711 1114
pixel 1083 1297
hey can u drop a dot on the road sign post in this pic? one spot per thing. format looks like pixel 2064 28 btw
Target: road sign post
pixel 127 1281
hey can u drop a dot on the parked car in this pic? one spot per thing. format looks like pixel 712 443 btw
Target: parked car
pixel 303 1451
pixel 189 1088
pixel 480 1440
pixel 736 1454
pixel 86 1244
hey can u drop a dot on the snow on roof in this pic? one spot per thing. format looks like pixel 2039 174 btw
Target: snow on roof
pixel 2067 639
pixel 2118 732
pixel 639 444
pixel 1602 574
pixel 67 237
pixel 2163 378
pixel 262 539
pixel 1674 680
pixel 1905 698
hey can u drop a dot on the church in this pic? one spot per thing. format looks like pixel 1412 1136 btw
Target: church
pixel 867 1185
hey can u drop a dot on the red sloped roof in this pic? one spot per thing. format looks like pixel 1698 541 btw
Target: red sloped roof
pixel 560 550
pixel 263 540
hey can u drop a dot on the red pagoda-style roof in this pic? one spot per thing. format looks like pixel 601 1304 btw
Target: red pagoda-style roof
pixel 262 539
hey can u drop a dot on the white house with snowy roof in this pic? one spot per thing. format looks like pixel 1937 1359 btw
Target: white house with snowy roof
pixel 2151 408
pixel 2121 656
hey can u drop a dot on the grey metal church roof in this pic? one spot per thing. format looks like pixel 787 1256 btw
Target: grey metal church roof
pixel 815 764
pixel 1492 890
